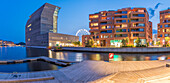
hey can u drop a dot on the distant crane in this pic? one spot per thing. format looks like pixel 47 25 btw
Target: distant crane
pixel 81 32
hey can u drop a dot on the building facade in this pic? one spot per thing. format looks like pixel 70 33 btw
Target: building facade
pixel 57 39
pixel 108 28
pixel 41 24
pixel 163 26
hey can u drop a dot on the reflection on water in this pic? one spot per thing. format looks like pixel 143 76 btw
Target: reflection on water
pixel 80 56
pixel 12 53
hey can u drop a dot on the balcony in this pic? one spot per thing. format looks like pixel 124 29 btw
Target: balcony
pixel 166 21
pixel 121 12
pixel 137 20
pixel 120 21
pixel 107 31
pixel 121 35
pixel 106 22
pixel 138 15
pixel 137 30
pixel 123 16
pixel 138 25
pixel 121 30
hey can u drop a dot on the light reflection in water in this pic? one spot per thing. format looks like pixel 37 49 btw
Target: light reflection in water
pixel 79 57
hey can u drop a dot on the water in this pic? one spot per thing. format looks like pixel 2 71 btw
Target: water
pixel 13 53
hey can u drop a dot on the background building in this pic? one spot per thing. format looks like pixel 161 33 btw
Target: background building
pixel 8 43
pixel 164 25
pixel 155 39
pixel 108 28
pixel 1 42
pixel 41 24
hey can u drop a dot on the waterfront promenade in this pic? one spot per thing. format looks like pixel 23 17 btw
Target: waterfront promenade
pixel 98 72
pixel 120 50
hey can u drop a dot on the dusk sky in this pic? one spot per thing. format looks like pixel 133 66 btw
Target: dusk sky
pixel 74 14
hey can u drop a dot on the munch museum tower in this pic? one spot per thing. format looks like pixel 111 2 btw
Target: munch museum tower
pixel 41 28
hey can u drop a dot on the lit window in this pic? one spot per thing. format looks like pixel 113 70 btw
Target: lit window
pixel 29 25
pixel 94 16
pixel 108 27
pixel 103 27
pixel 94 24
pixel 29 29
pixel 167 16
pixel 167 30
pixel 103 18
pixel 124 25
pixel 141 11
pixel 28 39
pixel 117 26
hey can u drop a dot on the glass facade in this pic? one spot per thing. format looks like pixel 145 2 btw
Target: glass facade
pixel 55 16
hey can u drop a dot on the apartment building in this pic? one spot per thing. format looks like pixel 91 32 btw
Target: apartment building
pixel 163 26
pixel 108 28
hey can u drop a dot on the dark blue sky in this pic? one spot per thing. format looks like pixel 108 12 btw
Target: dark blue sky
pixel 72 16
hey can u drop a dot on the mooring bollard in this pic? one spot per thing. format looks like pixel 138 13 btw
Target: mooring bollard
pixel 168 65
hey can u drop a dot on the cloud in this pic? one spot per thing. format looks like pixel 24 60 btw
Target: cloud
pixel 152 10
pixel 157 5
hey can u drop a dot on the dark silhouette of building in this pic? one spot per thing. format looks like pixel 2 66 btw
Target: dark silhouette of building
pixel 41 28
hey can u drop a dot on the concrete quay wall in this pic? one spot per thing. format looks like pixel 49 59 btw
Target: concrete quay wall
pixel 119 50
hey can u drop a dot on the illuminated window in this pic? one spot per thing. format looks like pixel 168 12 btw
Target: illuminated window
pixel 29 25
pixel 103 18
pixel 161 17
pixel 103 27
pixel 29 29
pixel 94 16
pixel 141 11
pixel 167 30
pixel 117 26
pixel 104 14
pixel 94 24
pixel 108 27
pixel 28 39
pixel 124 25
pixel 167 16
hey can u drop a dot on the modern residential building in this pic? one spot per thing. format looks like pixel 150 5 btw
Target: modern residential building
pixel 108 28
pixel 164 25
pixel 41 28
